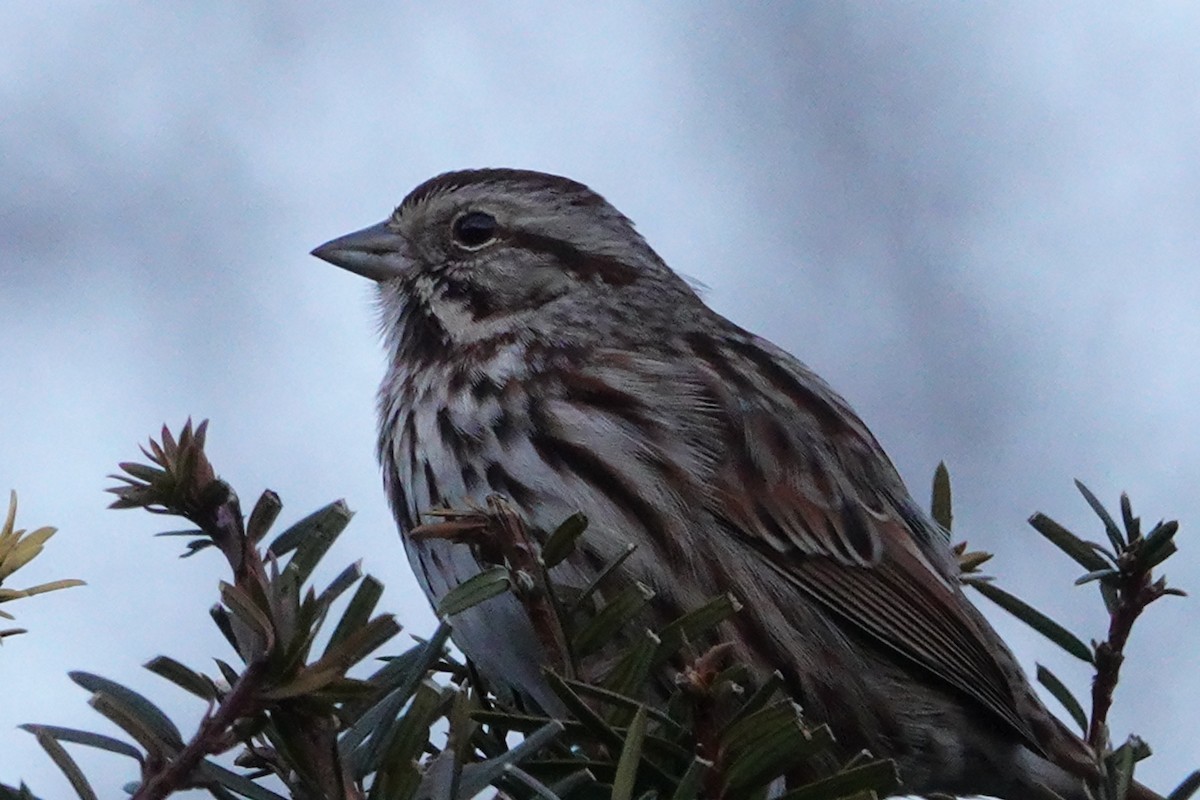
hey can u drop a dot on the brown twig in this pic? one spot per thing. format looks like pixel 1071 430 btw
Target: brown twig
pixel 698 680
pixel 178 772
pixel 538 598
pixel 1134 591
pixel 499 537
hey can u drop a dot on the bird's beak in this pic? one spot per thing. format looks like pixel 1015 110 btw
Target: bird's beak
pixel 376 252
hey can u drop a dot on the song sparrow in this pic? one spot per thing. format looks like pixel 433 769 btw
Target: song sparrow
pixel 539 348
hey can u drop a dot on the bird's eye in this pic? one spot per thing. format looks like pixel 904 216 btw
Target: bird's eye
pixel 474 229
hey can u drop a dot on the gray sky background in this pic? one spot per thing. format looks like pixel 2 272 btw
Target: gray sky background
pixel 979 221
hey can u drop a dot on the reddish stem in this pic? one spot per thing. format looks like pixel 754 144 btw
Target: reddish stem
pixel 1134 593
pixel 210 738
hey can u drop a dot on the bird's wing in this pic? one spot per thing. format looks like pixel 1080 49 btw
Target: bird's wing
pixel 804 483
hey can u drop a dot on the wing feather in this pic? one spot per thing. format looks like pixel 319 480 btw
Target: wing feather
pixel 786 466
pixel 828 511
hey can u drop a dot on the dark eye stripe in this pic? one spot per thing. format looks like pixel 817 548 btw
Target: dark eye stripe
pixel 585 265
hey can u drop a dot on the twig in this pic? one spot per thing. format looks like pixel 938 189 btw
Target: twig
pixel 538 599
pixel 1134 591
pixel 498 536
pixel 209 739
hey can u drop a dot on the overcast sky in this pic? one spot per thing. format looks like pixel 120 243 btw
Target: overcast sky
pixel 979 221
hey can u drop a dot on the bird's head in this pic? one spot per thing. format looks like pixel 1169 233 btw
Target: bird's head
pixel 482 252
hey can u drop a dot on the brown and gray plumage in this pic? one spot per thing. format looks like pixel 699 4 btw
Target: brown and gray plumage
pixel 539 348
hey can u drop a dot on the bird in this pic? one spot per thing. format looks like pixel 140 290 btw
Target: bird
pixel 539 348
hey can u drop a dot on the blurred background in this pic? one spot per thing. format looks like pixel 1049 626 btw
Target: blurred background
pixel 979 221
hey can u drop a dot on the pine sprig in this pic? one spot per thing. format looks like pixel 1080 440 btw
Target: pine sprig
pixel 288 702
pixel 1123 569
